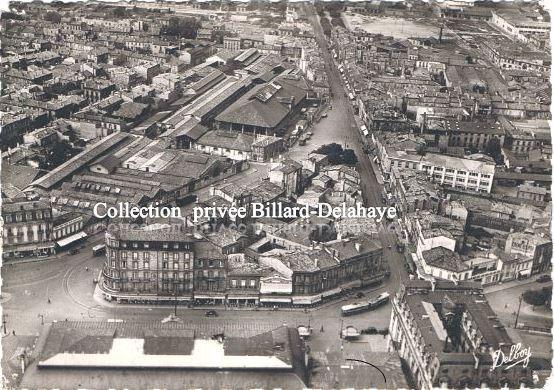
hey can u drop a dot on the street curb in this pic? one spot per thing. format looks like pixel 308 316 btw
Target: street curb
pixel 531 280
pixel 41 259
pixel 97 296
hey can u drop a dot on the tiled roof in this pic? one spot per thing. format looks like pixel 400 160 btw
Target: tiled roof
pixel 444 258
pixel 228 140
pixel 71 166
pixel 262 105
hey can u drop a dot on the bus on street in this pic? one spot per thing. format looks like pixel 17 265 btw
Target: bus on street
pixel 99 250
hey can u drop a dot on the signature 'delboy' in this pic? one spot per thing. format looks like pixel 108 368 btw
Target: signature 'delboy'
pixel 517 355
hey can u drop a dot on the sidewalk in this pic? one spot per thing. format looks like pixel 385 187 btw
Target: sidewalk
pixel 92 239
pixel 98 298
pixel 376 170
pixel 508 285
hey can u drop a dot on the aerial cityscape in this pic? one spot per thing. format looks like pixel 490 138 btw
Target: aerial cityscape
pixel 276 195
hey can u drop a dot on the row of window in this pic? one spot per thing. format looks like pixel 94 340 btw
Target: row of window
pixel 146 255
pixel 150 276
pixel 450 170
pixel 243 283
pixel 146 265
pixel 28 216
pixel 146 245
pixel 350 269
pixel 216 149
pixel 210 273
pixel 209 263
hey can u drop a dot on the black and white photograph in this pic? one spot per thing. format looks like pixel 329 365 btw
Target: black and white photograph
pixel 276 195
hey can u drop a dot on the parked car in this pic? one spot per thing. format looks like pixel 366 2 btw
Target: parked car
pixel 73 251
pixel 211 313
pixel 544 278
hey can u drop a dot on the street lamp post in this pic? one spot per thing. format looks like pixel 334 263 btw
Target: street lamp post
pixel 518 308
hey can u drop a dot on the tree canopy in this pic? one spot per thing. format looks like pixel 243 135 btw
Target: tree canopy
pixel 182 27
pixel 338 155
pixel 53 16
pixel 538 297
pixel 493 149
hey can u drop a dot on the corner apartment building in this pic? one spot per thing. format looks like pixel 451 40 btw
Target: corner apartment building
pixel 307 276
pixel 149 264
pixel 446 332
pixel 531 245
pixel 27 229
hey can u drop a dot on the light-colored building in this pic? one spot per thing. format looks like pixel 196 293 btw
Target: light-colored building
pixel 442 263
pixel 459 173
pixel 446 332
pixel 287 174
pixel 27 229
pixel 149 264
pixel 536 246
pixel 520 25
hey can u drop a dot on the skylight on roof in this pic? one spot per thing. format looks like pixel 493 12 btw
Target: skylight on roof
pixel 267 92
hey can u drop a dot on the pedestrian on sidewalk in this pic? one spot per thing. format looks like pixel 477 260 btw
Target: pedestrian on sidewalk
pixel 321 330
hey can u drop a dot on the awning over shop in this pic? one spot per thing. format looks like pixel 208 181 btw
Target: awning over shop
pixel 275 300
pixel 30 247
pixel 306 300
pixel 71 239
pixel 242 297
pixel 332 292
pixel 220 296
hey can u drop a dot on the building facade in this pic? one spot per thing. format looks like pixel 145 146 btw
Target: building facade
pixel 149 264
pixel 446 334
pixel 459 173
pixel 27 230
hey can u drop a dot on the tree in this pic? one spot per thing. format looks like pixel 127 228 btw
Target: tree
pixel 538 297
pixel 493 149
pixel 332 151
pixel 547 292
pixel 53 16
pixel 119 12
pixel 421 149
pixel 349 157
pixel 338 155
pixel 182 27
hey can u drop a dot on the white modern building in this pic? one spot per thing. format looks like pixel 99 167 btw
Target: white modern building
pixel 459 173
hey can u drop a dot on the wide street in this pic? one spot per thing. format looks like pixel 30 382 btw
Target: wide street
pixel 506 304
pixel 37 293
pixel 67 281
